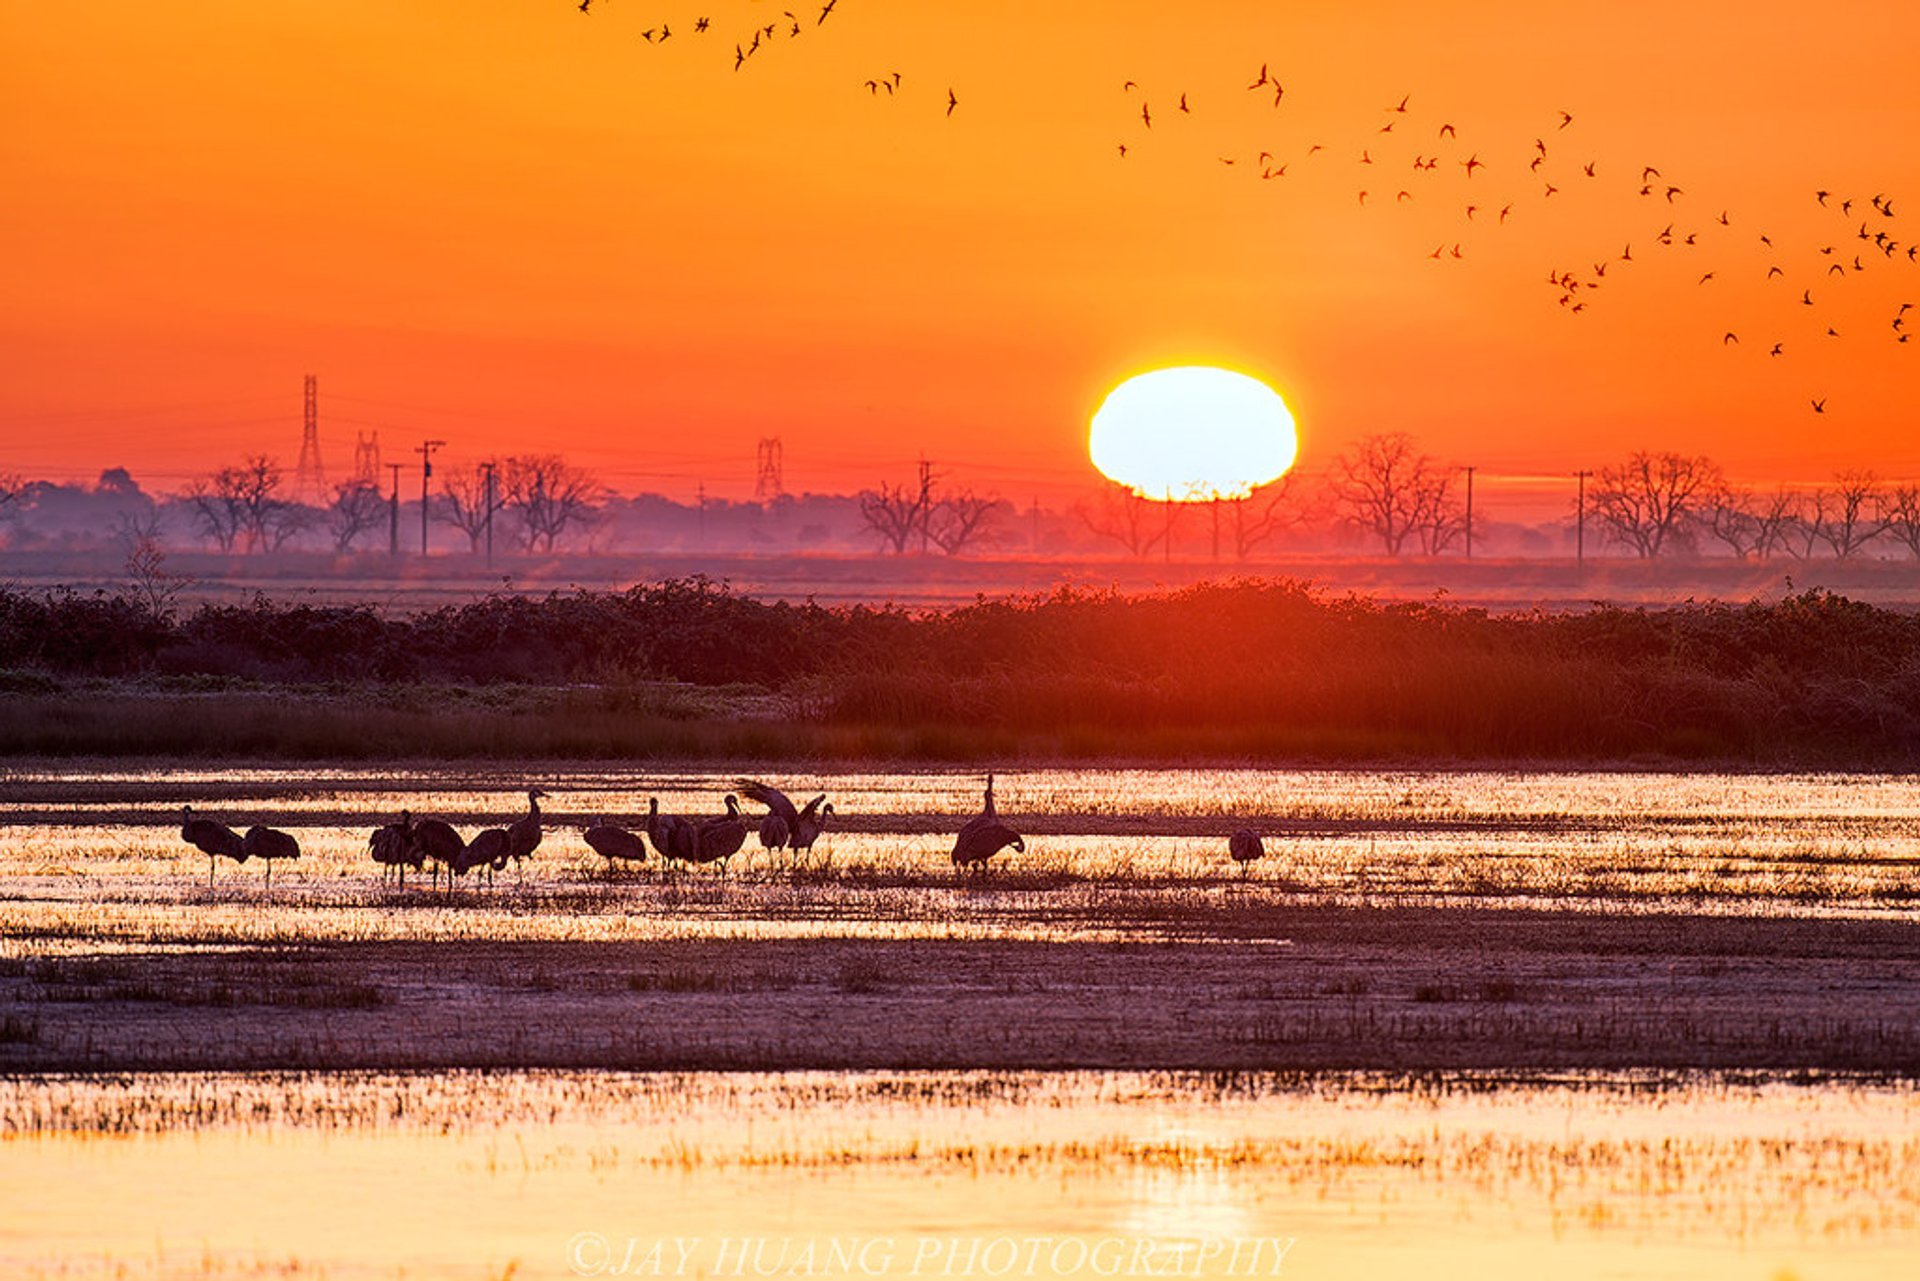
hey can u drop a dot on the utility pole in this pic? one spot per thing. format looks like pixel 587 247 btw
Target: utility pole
pixel 426 470
pixel 926 503
pixel 702 535
pixel 1470 513
pixel 393 513
pixel 1580 522
pixel 488 468
pixel 1166 530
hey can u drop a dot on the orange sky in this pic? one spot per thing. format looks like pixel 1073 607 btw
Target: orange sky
pixel 511 226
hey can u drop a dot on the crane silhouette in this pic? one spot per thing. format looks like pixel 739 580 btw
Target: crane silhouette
pixel 269 844
pixel 215 840
pixel 984 835
pixel 1244 847
pixel 394 848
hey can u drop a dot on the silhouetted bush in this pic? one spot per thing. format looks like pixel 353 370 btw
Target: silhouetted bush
pixel 1259 667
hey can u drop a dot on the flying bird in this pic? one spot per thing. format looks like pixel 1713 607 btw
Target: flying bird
pixel 1566 118
pixel 1820 406
pixel 952 102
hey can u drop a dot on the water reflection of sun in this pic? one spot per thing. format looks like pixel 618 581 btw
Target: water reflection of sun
pixel 1178 1201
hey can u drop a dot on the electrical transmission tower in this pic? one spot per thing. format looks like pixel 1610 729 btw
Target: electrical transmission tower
pixel 310 479
pixel 366 458
pixel 769 484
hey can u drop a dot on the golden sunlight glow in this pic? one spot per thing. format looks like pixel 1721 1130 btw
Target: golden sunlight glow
pixel 1192 433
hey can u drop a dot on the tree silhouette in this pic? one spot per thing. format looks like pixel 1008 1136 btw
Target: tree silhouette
pixel 549 495
pixel 357 507
pixel 1396 493
pixel 1651 501
pixel 895 513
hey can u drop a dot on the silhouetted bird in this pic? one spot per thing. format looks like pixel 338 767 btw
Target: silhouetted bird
pixel 984 835
pixel 269 844
pixel 611 842
pixel 436 840
pixel 394 849
pixel 212 839
pixel 523 835
pixel 1244 847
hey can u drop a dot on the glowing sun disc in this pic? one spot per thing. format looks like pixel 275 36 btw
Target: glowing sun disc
pixel 1192 432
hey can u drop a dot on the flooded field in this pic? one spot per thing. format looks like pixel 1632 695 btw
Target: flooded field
pixel 1488 1025
pixel 958 1175
pixel 107 845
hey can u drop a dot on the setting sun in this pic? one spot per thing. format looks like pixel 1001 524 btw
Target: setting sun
pixel 1193 432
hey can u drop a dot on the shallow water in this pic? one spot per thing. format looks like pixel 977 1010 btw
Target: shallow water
pixel 521 1173
pixel 101 851
pixel 876 1174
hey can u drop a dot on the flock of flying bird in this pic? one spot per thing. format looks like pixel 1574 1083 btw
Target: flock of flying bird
pixel 1408 159
pixel 761 36
pixel 414 843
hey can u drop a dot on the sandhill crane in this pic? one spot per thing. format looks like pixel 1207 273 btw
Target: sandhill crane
pixel 774 833
pixel 269 844
pixel 436 840
pixel 1244 847
pixel 394 849
pixel 612 843
pixel 984 835
pixel 662 830
pixel 489 849
pixel 211 839
pixel 813 821
pixel 786 826
pixel 718 839
pixel 523 836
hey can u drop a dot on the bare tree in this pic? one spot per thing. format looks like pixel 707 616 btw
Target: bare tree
pixel 1387 487
pixel 1807 525
pixel 1855 520
pixel 1254 516
pixel 466 505
pixel 549 495
pixel 240 506
pixel 1652 501
pixel 1901 518
pixel 1773 518
pixel 1728 516
pixel 358 506
pixel 1137 524
pixel 218 511
pixel 896 514
pixel 148 578
pixel 960 519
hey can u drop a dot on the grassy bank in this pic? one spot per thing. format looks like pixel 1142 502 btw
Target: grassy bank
pixel 1264 671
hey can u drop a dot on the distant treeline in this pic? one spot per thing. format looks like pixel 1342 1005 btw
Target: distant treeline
pixel 1254 670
